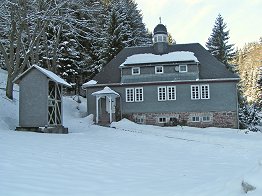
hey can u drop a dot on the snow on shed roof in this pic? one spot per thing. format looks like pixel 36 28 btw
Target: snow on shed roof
pixel 105 91
pixel 49 74
pixel 152 58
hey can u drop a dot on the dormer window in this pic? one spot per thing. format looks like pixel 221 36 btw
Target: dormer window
pixel 136 71
pixel 182 68
pixel 159 69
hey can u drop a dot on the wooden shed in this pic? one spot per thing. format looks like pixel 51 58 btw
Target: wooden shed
pixel 40 101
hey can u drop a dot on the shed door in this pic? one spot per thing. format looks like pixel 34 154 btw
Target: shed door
pixel 54 103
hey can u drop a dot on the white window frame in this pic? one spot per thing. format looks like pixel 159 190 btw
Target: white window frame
pixel 161 95
pixel 168 93
pixel 159 72
pixel 181 71
pixel 130 95
pixel 135 68
pixel 195 92
pixel 193 119
pixel 139 97
pixel 205 94
pixel 208 119
pixel 162 120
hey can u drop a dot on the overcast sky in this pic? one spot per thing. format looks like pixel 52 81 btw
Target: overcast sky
pixel 191 21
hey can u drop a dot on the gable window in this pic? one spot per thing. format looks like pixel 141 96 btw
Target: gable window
pixel 182 68
pixel 171 93
pixel 134 94
pixel 159 69
pixel 139 94
pixel 129 95
pixel 136 71
pixel 161 93
pixel 162 119
pixel 195 92
pixel 204 91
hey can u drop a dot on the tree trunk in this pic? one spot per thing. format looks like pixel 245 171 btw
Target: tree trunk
pixel 9 87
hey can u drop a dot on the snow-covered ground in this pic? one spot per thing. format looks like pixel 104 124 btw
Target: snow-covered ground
pixel 124 160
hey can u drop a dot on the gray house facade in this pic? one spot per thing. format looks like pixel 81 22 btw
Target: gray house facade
pixel 165 84
pixel 40 101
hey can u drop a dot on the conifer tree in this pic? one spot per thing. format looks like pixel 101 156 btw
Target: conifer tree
pixel 217 43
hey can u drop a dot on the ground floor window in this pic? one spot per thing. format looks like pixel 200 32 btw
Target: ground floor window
pixel 162 120
pixel 134 94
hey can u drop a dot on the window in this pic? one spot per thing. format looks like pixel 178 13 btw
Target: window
pixel 129 95
pixel 182 68
pixel 171 93
pixel 159 69
pixel 138 94
pixel 162 119
pixel 206 119
pixel 195 92
pixel 160 38
pixel 204 91
pixel 161 93
pixel 200 92
pixel 134 94
pixel 140 119
pixel 195 119
pixel 136 71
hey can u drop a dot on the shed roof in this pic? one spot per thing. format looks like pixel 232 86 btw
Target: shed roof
pixel 48 73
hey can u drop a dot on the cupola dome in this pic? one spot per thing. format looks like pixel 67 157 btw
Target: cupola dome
pixel 160 29
pixel 160 34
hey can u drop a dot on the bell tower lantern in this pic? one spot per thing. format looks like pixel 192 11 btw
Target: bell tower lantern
pixel 160 39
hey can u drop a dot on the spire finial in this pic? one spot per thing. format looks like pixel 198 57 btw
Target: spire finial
pixel 160 19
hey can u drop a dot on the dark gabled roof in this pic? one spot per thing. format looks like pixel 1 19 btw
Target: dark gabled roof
pixel 210 67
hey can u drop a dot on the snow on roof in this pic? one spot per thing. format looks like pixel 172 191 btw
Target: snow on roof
pixel 105 91
pixel 89 83
pixel 49 74
pixel 152 58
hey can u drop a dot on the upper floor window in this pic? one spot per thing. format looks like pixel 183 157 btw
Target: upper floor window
pixel 134 94
pixel 182 68
pixel 136 71
pixel 161 93
pixel 200 92
pixel 159 69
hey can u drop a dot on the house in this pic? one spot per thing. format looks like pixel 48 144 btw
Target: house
pixel 40 101
pixel 163 84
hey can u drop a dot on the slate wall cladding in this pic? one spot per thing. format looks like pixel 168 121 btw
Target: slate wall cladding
pixel 216 119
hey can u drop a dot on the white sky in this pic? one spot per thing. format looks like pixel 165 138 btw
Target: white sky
pixel 191 21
